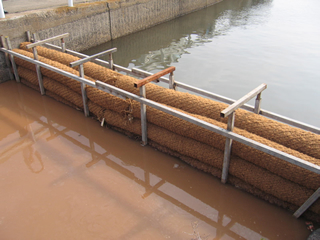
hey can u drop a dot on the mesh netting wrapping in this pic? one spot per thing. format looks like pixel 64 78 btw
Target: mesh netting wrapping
pixel 263 172
pixel 294 138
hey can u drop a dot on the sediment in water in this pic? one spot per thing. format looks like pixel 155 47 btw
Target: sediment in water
pixel 263 172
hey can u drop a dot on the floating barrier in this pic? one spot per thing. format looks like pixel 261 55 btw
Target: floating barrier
pixel 270 159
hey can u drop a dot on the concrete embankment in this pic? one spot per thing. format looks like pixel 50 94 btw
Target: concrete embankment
pixel 91 24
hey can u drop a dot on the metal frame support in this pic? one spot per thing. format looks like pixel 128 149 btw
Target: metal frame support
pixel 257 104
pixel 63 45
pixel 230 113
pixel 84 92
pixel 2 15
pixel 172 84
pixel 38 70
pixel 29 39
pixel 6 55
pixel 144 130
pixel 13 63
pixel 111 61
pixel 227 149
pixel 307 203
pixel 81 74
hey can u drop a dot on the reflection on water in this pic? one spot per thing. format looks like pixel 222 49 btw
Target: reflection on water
pixel 233 47
pixel 65 177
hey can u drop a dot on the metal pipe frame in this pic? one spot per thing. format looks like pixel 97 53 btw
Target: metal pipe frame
pixel 226 133
pixel 237 104
pixel 89 58
pixel 39 43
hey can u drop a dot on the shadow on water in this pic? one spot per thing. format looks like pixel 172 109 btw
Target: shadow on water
pixel 229 213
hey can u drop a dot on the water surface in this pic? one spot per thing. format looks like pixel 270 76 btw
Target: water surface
pixel 233 47
pixel 65 177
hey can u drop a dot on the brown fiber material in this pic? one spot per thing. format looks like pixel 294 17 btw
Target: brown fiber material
pixel 246 171
pixel 268 174
pixel 291 137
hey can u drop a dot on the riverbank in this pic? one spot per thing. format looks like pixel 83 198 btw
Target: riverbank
pixel 93 23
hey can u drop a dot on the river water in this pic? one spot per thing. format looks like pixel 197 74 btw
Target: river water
pixel 63 176
pixel 233 47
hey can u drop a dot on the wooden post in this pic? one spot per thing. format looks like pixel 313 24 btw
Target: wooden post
pixel 257 104
pixel 307 204
pixel 13 63
pixel 144 131
pixel 172 84
pixel 153 77
pixel 84 92
pixel 6 55
pixel 35 56
pixel 227 149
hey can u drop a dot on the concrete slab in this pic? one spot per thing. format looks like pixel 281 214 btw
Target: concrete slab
pixel 20 6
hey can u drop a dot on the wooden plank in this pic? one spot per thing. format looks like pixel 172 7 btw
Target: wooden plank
pixel 307 203
pixel 142 73
pixel 243 100
pixel 38 43
pixel 153 77
pixel 87 59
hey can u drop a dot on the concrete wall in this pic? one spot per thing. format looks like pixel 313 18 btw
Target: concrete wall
pixel 91 24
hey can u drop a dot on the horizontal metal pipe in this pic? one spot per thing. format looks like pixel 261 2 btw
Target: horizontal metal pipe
pixel 237 104
pixel 38 43
pixel 89 58
pixel 256 145
pixel 47 66
pixel 218 97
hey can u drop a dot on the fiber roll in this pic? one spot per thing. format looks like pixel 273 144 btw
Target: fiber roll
pixel 246 171
pixel 198 146
pixel 291 137
pixel 131 109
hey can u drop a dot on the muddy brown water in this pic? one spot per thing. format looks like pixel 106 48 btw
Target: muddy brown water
pixel 63 176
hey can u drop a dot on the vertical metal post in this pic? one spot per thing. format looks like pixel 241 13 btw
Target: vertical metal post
pixel 84 92
pixel 70 3
pixel 2 15
pixel 110 61
pixel 227 149
pixel 13 63
pixel 63 45
pixel 144 132
pixel 28 36
pixel 35 55
pixel 172 84
pixel 6 55
pixel 307 204
pixel 257 104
